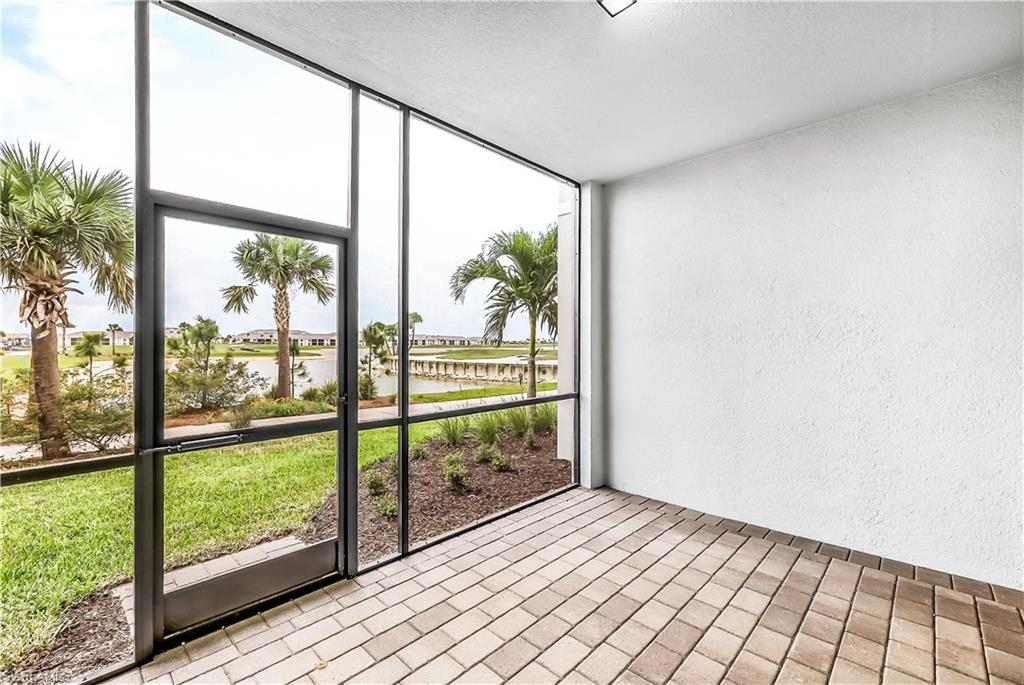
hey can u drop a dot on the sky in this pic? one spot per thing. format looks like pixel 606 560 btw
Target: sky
pixel 233 124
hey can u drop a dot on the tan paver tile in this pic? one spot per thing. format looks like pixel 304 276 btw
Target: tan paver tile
pixel 534 674
pixel 603 664
pixel 750 669
pixel 590 631
pixel 697 668
pixel 848 673
pixel 768 644
pixel 656 663
pixel 341 669
pixel 719 645
pixel 812 652
pixel 794 672
pixel 910 660
pixel 443 669
pixel 1006 666
pixel 511 657
pixel 429 646
pixel 862 651
pixel 479 675
pixel 563 655
pixel 386 672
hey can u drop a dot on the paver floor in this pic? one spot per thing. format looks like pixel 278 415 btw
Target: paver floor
pixel 599 586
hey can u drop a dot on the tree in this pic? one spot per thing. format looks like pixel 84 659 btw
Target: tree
pixel 113 328
pixel 56 221
pixel 297 369
pixel 376 337
pixel 197 381
pixel 285 264
pixel 414 318
pixel 88 346
pixel 524 271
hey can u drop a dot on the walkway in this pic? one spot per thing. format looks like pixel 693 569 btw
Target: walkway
pixel 601 586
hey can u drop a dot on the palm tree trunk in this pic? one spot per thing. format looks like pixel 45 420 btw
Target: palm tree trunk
pixel 282 315
pixel 113 343
pixel 46 386
pixel 531 361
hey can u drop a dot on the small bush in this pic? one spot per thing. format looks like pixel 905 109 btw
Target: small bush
pixel 530 438
pixel 374 483
pixel 501 462
pixel 272 409
pixel 545 417
pixel 485 454
pixel 453 430
pixel 391 461
pixel 367 387
pixel 386 504
pixel 486 427
pixel 327 392
pixel 518 420
pixel 240 416
pixel 417 452
pixel 453 470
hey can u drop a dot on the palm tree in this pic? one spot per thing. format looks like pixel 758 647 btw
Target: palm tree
pixel 56 221
pixel 89 346
pixel 375 337
pixel 285 264
pixel 113 328
pixel 296 368
pixel 524 269
pixel 414 318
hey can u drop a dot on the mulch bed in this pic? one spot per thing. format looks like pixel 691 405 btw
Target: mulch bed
pixel 436 508
pixel 95 636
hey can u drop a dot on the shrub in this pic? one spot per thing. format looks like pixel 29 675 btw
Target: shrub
pixel 97 413
pixel 386 504
pixel 240 416
pixel 518 420
pixel 545 416
pixel 223 383
pixel 374 483
pixel 530 438
pixel 453 430
pixel 367 387
pixel 327 393
pixel 501 462
pixel 453 470
pixel 486 428
pixel 417 452
pixel 270 409
pixel 485 454
pixel 391 461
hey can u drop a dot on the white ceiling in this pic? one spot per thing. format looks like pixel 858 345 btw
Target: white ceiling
pixel 597 98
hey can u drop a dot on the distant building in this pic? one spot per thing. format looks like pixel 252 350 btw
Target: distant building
pixel 268 336
pixel 121 337
pixel 448 340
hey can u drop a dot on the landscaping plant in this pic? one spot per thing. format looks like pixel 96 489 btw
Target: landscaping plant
pixel 374 483
pixel 417 452
pixel 59 222
pixel 545 416
pixel 239 416
pixel 485 428
pixel 453 470
pixel 453 430
pixel 286 264
pixel 501 462
pixel 386 505
pixel 518 420
pixel 524 271
pixel 485 454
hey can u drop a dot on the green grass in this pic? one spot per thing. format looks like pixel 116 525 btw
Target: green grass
pixel 64 538
pixel 477 393
pixel 65 361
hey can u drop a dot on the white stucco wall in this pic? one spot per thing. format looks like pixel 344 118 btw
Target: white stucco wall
pixel 820 332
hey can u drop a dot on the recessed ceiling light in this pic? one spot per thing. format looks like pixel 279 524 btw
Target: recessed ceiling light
pixel 613 7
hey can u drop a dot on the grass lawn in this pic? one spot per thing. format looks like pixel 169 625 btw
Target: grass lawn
pixel 62 539
pixel 476 393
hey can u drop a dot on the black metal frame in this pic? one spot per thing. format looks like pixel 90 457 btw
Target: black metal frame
pixel 226 598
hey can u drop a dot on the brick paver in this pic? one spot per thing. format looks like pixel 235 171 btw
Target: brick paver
pixel 599 586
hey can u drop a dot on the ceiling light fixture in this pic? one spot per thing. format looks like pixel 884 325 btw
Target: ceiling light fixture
pixel 614 7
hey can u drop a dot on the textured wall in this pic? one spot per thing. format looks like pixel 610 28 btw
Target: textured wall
pixel 820 332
